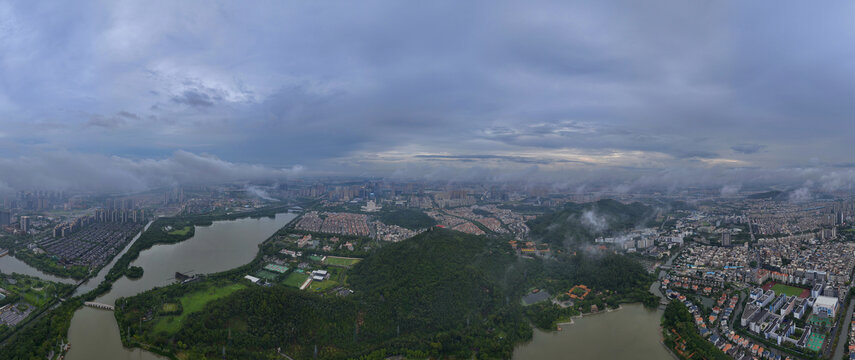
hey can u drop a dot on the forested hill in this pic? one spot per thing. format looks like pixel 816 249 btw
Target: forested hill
pixel 581 223
pixel 440 294
pixel 436 280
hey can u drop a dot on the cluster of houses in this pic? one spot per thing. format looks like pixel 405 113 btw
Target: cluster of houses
pixel 705 285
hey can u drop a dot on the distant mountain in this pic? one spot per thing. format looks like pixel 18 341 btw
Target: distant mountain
pixel 581 223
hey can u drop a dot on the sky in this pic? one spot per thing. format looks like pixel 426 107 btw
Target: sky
pixel 132 95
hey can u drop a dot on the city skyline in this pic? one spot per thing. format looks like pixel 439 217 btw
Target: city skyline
pixel 128 97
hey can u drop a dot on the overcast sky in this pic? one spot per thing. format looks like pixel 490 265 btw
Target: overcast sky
pixel 684 92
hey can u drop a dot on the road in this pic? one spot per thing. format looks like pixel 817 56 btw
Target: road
pixel 844 332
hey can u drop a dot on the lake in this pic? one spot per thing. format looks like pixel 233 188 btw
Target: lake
pixel 629 333
pixel 94 334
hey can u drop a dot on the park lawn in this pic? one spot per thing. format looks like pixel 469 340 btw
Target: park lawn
pixel 341 261
pixel 322 285
pixel 338 275
pixel 36 298
pixel 181 232
pixel 35 292
pixel 295 279
pixel 191 303
pixel 787 290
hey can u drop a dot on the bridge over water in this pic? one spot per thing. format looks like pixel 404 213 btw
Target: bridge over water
pixel 98 305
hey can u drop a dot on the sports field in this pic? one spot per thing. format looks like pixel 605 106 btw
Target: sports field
pixel 787 290
pixel 815 342
pixel 191 303
pixel 322 285
pixel 819 321
pixel 341 261
pixel 276 268
pixel 295 279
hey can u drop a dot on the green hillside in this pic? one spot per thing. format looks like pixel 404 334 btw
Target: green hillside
pixel 438 294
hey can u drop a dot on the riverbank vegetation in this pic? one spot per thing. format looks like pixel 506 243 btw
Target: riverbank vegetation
pixel 50 265
pixel 682 338
pixel 614 280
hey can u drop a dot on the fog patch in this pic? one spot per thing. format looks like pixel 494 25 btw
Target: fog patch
pixel 730 190
pixel 801 195
pixel 259 192
pixel 595 222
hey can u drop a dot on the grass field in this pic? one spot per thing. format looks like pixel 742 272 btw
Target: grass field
pixel 341 261
pixel 169 307
pixel 295 279
pixel 191 303
pixel 322 285
pixel 181 232
pixel 266 275
pixel 787 290
pixel 815 342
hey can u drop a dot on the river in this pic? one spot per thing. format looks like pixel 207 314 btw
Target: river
pixel 94 334
pixel 629 333
pixel 9 264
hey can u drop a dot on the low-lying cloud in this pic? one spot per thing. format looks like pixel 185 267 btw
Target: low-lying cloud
pixel 98 173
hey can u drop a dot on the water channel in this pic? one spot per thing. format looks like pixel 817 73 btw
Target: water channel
pixel 9 264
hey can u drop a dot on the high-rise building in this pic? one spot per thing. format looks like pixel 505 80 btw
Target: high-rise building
pixel 725 239
pixel 5 217
pixel 25 223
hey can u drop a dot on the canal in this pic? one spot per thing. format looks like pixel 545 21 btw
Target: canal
pixel 94 334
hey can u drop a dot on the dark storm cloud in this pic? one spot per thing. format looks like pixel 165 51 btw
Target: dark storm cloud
pixel 195 98
pixel 629 89
pixel 747 148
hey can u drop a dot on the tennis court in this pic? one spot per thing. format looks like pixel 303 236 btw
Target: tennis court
pixel 815 342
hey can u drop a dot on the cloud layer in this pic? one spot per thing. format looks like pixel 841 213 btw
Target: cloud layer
pixel 665 92
pixel 98 173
